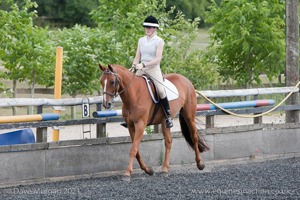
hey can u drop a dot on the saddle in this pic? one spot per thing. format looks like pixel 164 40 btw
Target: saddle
pixel 171 91
pixel 170 88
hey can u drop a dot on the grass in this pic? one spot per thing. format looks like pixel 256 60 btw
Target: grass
pixel 202 40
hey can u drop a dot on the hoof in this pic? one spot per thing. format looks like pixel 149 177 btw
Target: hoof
pixel 163 174
pixel 201 165
pixel 150 171
pixel 164 169
pixel 126 178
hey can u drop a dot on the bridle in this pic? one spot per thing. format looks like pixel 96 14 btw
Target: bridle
pixel 117 83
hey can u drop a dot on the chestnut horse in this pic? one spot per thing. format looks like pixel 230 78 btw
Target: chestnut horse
pixel 138 108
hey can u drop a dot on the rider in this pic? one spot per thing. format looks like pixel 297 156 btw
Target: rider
pixel 147 61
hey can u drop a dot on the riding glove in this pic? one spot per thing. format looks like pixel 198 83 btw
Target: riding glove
pixel 139 66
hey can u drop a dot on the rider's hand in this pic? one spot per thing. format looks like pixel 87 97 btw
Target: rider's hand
pixel 139 66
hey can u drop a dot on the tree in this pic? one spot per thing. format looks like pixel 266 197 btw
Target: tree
pixel 249 39
pixel 180 58
pixel 81 46
pixel 80 64
pixel 26 51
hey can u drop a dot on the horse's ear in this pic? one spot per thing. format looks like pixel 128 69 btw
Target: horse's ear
pixel 102 68
pixel 110 68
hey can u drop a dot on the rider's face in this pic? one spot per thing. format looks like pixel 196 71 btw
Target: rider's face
pixel 149 30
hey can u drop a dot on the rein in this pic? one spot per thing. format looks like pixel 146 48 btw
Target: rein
pixel 117 84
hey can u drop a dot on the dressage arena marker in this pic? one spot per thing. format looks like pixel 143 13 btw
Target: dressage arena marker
pixel 200 107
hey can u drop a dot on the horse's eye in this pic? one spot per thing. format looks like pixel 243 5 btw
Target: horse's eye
pixel 112 82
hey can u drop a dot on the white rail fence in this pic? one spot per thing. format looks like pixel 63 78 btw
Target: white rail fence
pixel 101 122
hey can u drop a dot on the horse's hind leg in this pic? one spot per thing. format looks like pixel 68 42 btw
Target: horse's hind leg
pixel 168 144
pixel 195 138
pixel 190 120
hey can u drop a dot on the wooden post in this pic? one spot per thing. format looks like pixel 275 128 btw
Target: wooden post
pixel 41 132
pixel 100 128
pixel 210 121
pixel 292 57
pixel 157 128
pixel 57 86
pixel 257 120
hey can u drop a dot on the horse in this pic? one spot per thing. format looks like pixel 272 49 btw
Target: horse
pixel 138 109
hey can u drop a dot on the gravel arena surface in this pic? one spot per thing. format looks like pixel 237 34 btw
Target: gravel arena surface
pixel 271 179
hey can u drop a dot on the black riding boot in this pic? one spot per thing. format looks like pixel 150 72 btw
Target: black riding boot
pixel 165 103
pixel 124 124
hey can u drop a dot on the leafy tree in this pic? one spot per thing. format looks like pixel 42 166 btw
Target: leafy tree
pixel 180 58
pixel 81 47
pixel 81 50
pixel 249 39
pixel 25 50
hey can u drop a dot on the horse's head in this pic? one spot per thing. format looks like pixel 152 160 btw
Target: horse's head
pixel 110 83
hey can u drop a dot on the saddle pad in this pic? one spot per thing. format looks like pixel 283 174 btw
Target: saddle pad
pixel 171 90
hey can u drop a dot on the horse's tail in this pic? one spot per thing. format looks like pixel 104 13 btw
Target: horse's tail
pixel 187 135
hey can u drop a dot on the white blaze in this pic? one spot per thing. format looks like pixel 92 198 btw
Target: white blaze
pixel 104 92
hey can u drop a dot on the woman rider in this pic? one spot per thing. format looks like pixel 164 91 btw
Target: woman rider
pixel 147 61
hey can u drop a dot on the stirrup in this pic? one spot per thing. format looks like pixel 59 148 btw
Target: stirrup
pixel 169 123
pixel 124 124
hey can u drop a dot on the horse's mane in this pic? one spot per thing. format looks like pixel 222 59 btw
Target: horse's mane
pixel 119 67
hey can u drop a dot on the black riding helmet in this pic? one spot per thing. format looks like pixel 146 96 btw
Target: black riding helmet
pixel 151 21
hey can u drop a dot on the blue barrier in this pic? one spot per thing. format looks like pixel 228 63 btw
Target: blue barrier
pixel 107 113
pixel 24 136
pixel 50 116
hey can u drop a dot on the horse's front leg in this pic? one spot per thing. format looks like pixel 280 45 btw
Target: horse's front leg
pixel 136 134
pixel 143 166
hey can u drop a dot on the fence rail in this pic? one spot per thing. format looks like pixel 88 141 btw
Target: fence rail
pixel 10 102
pixel 101 122
pixel 248 92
